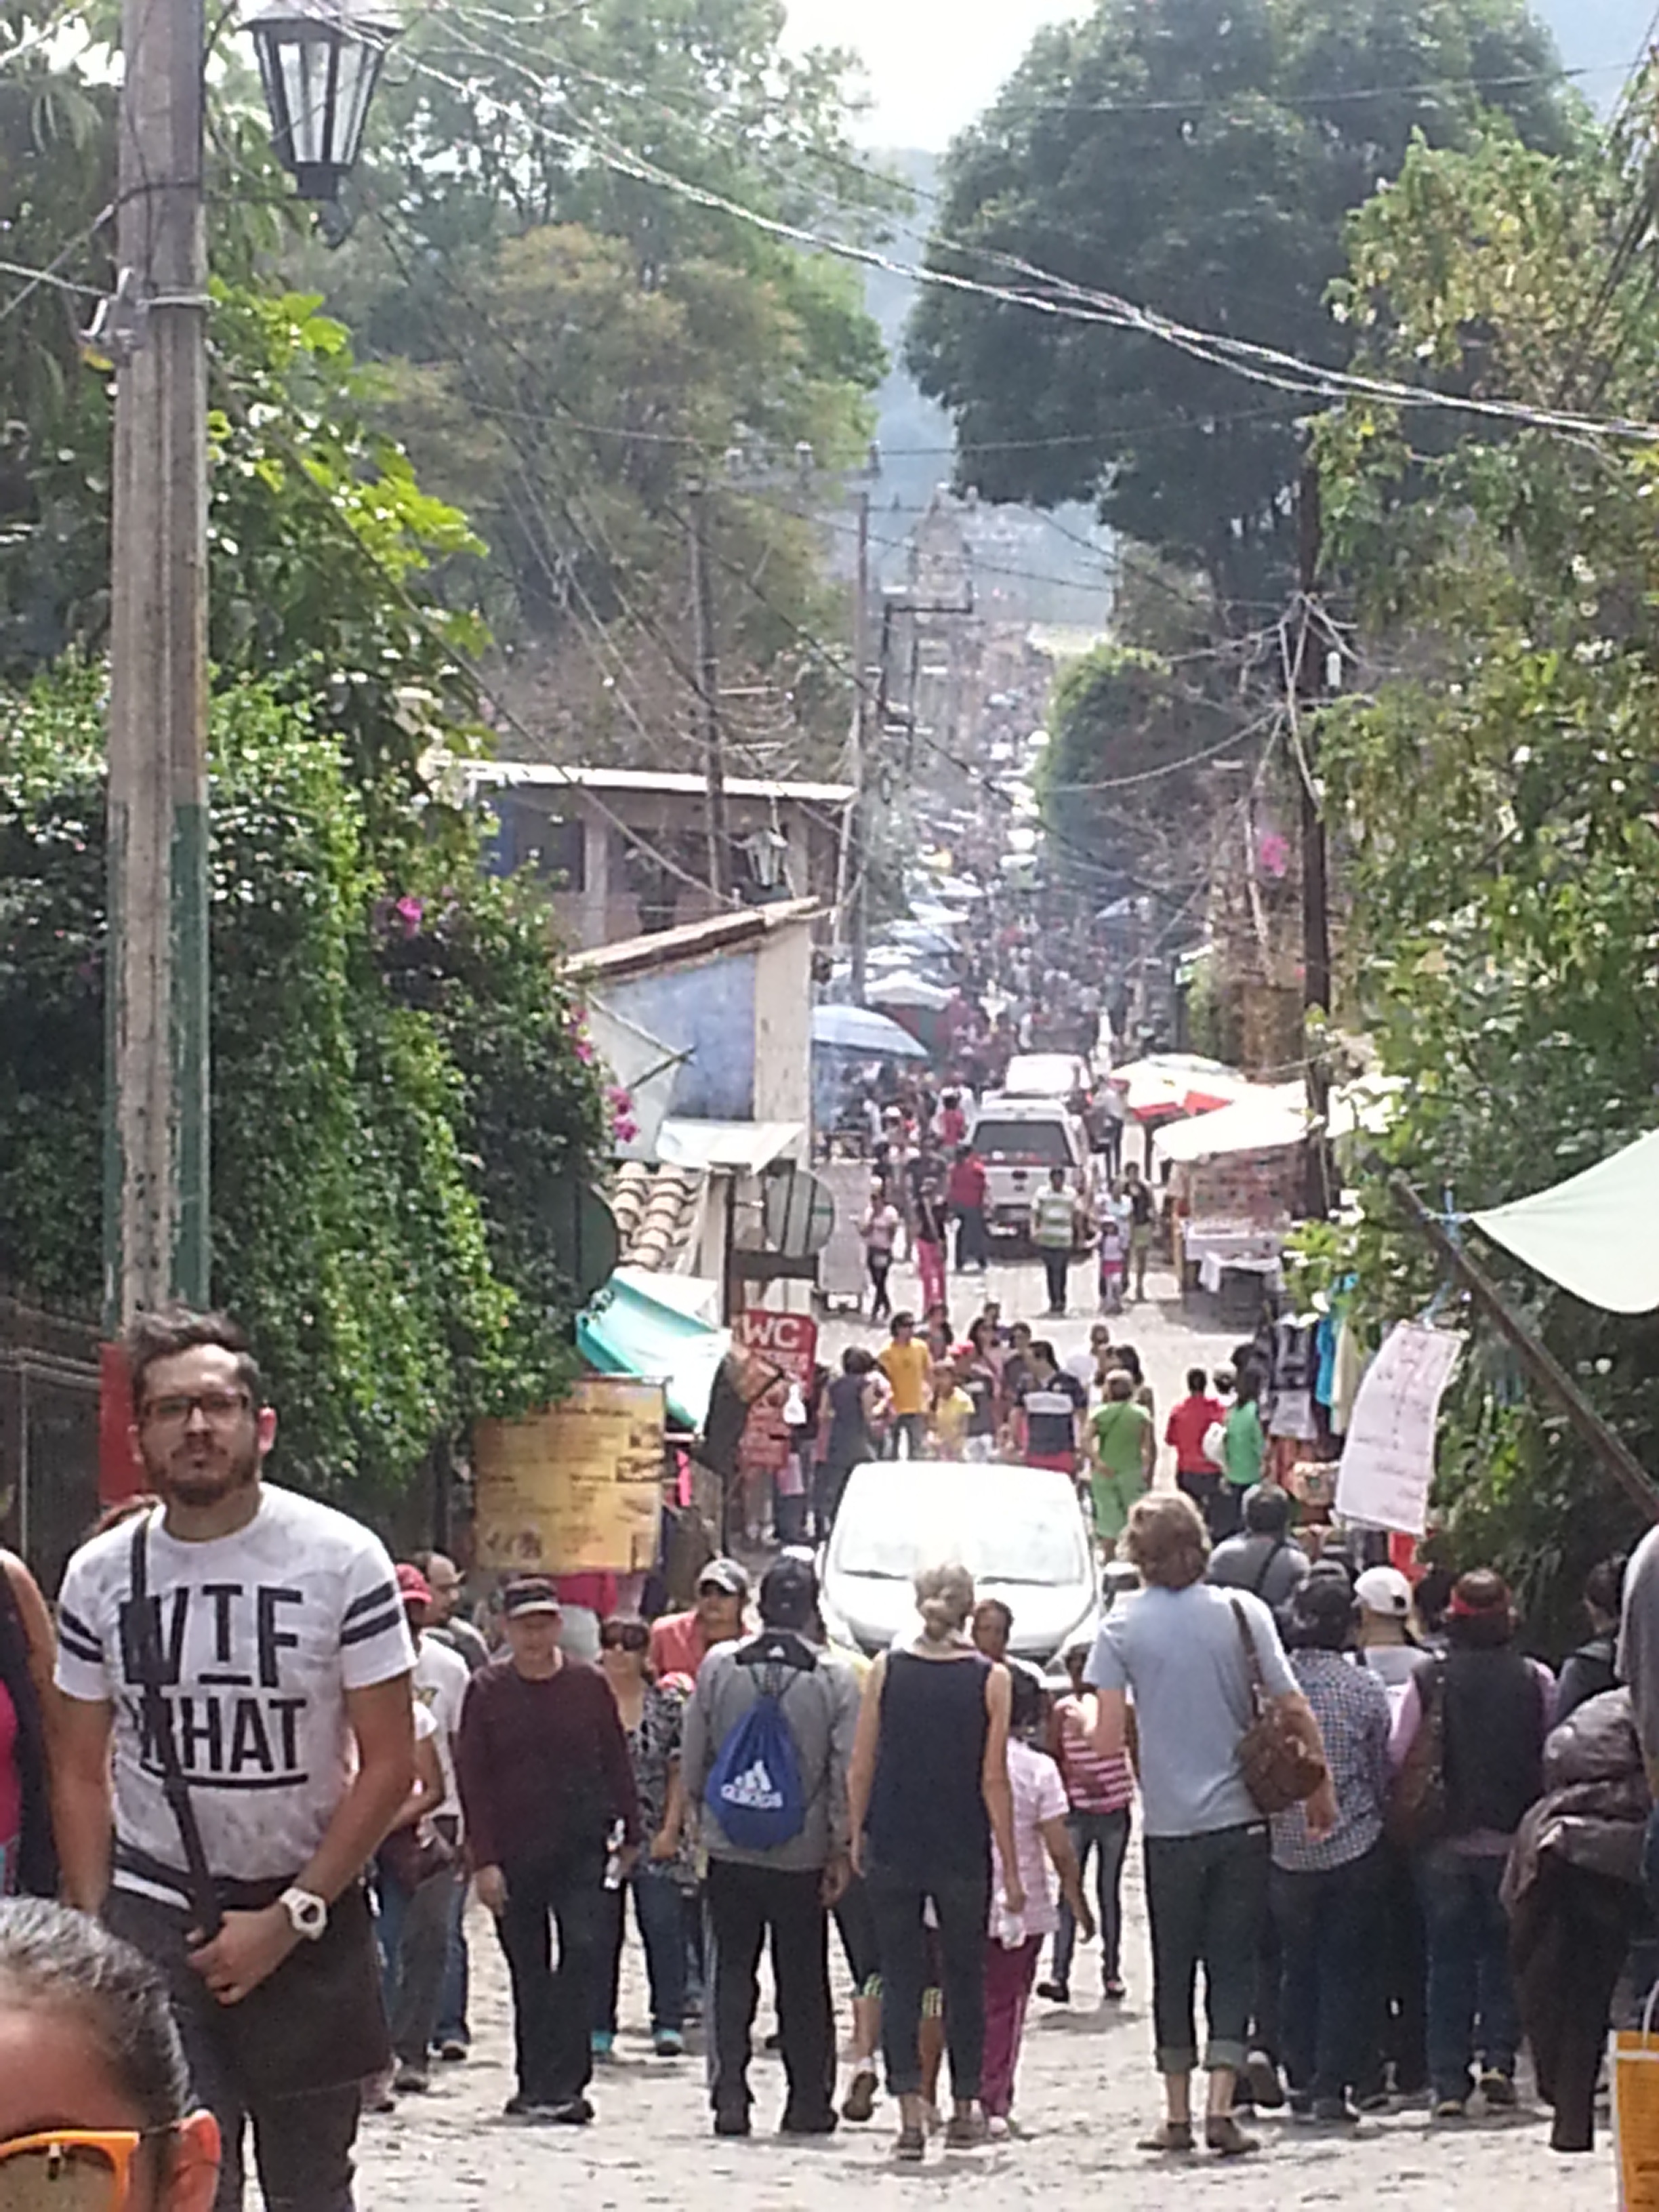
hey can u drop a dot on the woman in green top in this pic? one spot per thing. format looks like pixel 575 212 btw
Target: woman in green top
pixel 1244 1455
pixel 1121 1449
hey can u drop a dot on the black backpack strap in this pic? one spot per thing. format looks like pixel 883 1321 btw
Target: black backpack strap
pixel 144 1649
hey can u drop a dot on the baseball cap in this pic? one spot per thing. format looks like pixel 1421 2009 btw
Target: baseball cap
pixel 528 1594
pixel 1384 1590
pixel 412 1585
pixel 788 1593
pixel 727 1575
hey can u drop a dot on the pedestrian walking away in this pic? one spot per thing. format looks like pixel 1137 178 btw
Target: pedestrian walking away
pixel 768 1739
pixel 1123 1454
pixel 548 1790
pixel 928 1789
pixel 1099 1792
pixel 1178 1646
pixel 1186 1433
pixel 283 1709
pixel 1014 1941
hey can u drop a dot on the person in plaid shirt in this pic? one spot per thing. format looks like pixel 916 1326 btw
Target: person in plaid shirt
pixel 1327 1895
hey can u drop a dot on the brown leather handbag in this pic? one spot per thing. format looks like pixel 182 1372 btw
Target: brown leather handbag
pixel 1279 1769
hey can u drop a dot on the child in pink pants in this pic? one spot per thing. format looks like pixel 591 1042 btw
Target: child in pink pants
pixel 1014 1941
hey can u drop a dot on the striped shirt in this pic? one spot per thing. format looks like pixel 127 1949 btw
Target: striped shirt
pixel 1093 1785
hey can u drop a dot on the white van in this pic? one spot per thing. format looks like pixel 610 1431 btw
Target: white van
pixel 1063 1075
pixel 1019 1139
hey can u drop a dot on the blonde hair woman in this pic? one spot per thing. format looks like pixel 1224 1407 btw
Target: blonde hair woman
pixel 928 1789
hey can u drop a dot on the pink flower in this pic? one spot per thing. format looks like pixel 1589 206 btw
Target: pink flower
pixel 410 911
pixel 625 1129
pixel 619 1098
pixel 584 1052
pixel 1273 851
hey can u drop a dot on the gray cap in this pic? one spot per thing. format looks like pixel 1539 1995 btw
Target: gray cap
pixel 727 1575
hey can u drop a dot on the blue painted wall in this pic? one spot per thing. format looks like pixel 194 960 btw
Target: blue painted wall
pixel 708 1010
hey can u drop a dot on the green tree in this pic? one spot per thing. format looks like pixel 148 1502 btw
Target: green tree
pixel 1493 789
pixel 1199 158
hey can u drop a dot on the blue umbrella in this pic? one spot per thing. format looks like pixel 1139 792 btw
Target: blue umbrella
pixel 855 1029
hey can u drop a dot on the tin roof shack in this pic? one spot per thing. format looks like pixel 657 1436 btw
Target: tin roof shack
pixel 625 850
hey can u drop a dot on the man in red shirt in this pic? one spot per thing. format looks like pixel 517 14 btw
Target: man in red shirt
pixel 681 1641
pixel 1189 1423
pixel 964 1192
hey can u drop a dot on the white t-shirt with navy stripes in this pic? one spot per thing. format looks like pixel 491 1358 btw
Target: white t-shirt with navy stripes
pixel 262 1634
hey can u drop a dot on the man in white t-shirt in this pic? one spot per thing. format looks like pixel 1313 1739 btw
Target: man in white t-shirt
pixel 417 1889
pixel 275 1644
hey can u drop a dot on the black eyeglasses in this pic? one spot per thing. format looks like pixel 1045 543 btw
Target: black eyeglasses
pixel 628 1635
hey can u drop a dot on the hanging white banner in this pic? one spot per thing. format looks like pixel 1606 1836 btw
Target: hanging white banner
pixel 1388 1457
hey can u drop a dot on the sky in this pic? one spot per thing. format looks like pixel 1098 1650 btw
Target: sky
pixel 931 65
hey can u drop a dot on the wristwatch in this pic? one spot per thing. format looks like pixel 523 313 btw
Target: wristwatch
pixel 306 1910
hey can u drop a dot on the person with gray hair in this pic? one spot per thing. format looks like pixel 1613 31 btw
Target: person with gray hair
pixel 927 1791
pixel 1265 1557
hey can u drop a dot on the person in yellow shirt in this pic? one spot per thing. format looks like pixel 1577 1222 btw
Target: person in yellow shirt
pixel 953 1412
pixel 908 1366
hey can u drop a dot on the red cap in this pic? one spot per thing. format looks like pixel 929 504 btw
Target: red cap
pixel 412 1585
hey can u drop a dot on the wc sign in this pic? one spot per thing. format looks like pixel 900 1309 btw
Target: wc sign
pixel 787 1345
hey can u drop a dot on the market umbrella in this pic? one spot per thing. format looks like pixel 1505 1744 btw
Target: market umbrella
pixel 855 1029
pixel 1178 1083
pixel 906 990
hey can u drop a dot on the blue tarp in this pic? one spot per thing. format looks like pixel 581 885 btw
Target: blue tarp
pixel 626 1331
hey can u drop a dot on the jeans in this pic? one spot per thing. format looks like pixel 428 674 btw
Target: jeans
pixel 911 1431
pixel 657 1912
pixel 746 1903
pixel 1206 1896
pixel 1106 1833
pixel 880 1265
pixel 1057 1267
pixel 962 1904
pixel 971 1245
pixel 1471 1990
pixel 1328 1923
pixel 414 1937
pixel 451 2005
pixel 553 2006
pixel 303 2146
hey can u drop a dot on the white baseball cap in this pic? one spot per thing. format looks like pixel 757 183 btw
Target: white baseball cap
pixel 1384 1590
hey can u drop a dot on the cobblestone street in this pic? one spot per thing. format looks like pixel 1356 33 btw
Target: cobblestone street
pixel 1087 2086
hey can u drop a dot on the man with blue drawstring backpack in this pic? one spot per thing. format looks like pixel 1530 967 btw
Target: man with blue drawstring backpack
pixel 769 1734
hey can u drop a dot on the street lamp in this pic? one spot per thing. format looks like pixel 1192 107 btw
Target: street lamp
pixel 319 61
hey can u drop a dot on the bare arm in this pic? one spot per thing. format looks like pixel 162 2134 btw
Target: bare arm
pixel 41 1641
pixel 83 1803
pixel 1110 1730
pixel 1062 1856
pixel 428 1789
pixel 861 1768
pixel 994 1785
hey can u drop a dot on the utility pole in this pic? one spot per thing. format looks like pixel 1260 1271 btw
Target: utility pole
pixel 1315 888
pixel 857 840
pixel 155 1208
pixel 708 681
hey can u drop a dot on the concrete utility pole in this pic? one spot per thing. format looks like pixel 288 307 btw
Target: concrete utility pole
pixel 709 686
pixel 857 836
pixel 155 1210
pixel 1315 892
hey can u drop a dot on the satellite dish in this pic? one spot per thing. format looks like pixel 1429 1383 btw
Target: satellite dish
pixel 798 1210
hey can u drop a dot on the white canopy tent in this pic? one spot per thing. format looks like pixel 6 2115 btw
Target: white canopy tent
pixel 1594 1234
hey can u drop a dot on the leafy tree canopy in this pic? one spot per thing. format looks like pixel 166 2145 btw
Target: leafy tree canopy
pixel 1197 158
pixel 1493 786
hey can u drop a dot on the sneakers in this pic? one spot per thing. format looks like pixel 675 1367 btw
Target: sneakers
pixel 452 2051
pixel 860 2102
pixel 668 2043
pixel 1498 2089
pixel 1055 1992
pixel 1259 2082
pixel 1449 2108
pixel 410 2080
pixel 602 2042
pixel 1334 2111
pixel 997 2128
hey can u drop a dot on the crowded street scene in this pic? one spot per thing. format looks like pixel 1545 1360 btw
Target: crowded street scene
pixel 829 1112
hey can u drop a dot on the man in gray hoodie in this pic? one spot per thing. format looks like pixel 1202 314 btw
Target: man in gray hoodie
pixel 786 1889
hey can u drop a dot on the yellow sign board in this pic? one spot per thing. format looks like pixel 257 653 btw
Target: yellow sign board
pixel 575 1487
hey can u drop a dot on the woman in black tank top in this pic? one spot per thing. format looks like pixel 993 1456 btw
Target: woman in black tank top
pixel 928 1787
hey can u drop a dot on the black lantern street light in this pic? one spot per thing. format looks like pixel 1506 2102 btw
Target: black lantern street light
pixel 320 61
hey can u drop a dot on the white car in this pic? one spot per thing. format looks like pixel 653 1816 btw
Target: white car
pixel 1019 1531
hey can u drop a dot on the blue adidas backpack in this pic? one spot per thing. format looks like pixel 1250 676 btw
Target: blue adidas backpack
pixel 754 1788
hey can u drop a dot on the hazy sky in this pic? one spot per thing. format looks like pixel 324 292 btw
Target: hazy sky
pixel 931 65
